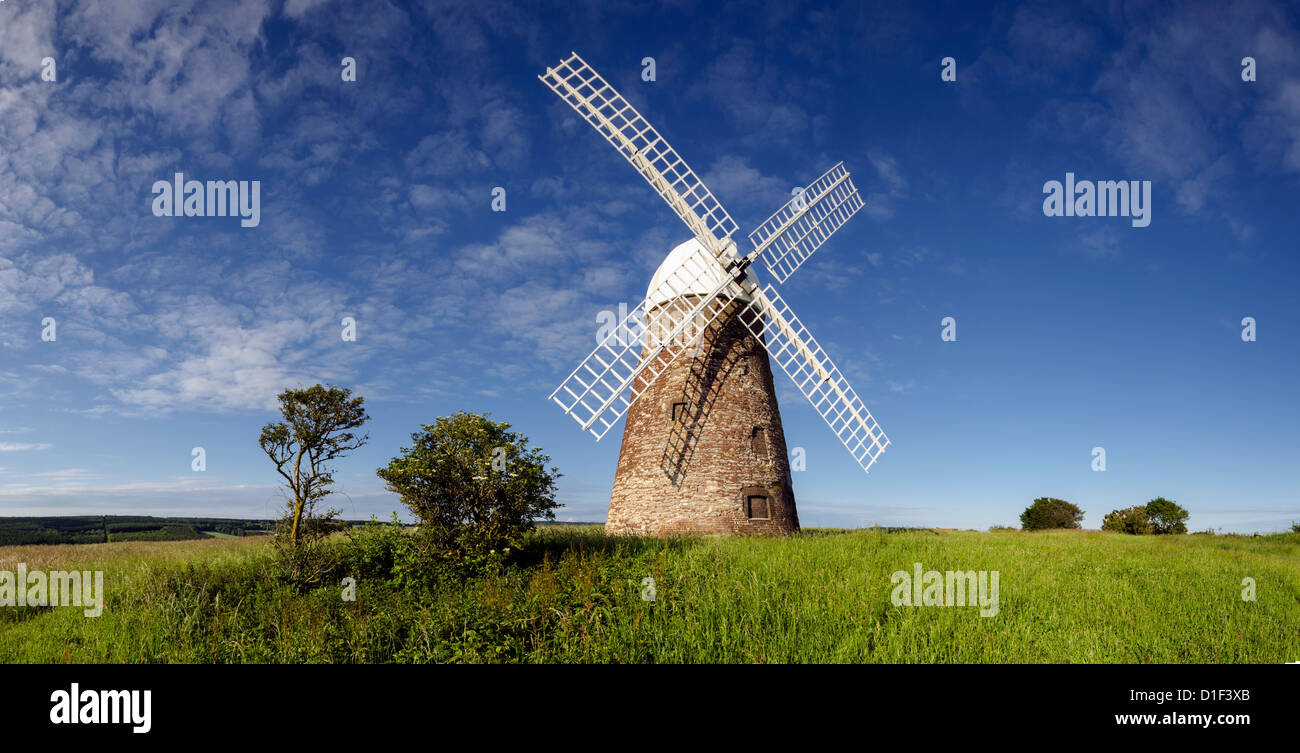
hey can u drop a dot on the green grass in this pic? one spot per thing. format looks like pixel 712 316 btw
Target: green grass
pixel 574 595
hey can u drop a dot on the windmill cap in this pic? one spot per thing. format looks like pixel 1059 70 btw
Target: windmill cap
pixel 700 265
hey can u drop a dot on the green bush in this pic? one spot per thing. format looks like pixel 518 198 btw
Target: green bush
pixel 312 559
pixel 475 486
pixel 376 551
pixel 1049 512
pixel 1131 520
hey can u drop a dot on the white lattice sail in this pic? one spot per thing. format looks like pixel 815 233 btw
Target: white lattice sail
pixel 786 239
pixel 617 120
pixel 793 348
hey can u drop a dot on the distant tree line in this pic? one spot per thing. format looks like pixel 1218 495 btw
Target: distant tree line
pixel 1159 516
pixel 98 529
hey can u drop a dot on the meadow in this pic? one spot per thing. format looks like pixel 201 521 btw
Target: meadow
pixel 575 595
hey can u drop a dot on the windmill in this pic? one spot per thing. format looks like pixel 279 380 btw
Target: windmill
pixel 703 448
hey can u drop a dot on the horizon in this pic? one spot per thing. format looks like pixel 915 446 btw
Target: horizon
pixel 131 334
pixel 543 522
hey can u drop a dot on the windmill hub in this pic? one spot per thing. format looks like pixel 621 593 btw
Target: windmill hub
pixel 693 262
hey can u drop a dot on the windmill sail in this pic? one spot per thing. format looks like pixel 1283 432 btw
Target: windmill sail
pixel 617 120
pixel 701 293
pixel 791 345
pixel 791 235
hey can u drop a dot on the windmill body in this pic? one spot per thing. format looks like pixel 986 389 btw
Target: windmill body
pixel 703 448
pixel 690 366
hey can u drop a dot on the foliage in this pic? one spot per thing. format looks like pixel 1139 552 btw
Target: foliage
pixel 379 551
pixel 317 429
pixel 311 557
pixel 1049 512
pixel 1166 516
pixel 1132 520
pixel 475 486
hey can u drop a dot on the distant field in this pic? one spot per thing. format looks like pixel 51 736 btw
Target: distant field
pixel 101 529
pixel 98 529
pixel 576 596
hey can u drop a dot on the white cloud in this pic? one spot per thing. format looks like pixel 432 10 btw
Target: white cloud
pixel 738 184
pixel 23 446
pixel 879 204
pixel 300 8
pixel 755 99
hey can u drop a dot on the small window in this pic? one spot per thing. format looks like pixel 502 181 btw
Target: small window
pixel 758 441
pixel 756 507
pixel 679 411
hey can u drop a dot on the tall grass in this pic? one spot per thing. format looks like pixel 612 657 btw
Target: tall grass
pixel 575 595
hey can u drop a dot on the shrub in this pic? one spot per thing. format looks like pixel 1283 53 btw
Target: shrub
pixel 1132 520
pixel 1049 512
pixel 475 486
pixel 311 560
pixel 1166 516
pixel 376 550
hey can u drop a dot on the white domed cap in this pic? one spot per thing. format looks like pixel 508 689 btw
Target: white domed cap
pixel 695 261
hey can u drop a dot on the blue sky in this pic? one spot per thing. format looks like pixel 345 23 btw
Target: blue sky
pixel 1072 332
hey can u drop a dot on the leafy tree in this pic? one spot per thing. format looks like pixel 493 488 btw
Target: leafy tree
pixel 1166 516
pixel 317 429
pixel 1295 527
pixel 1049 512
pixel 474 485
pixel 1132 520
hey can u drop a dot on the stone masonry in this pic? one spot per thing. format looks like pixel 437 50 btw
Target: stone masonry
pixel 703 449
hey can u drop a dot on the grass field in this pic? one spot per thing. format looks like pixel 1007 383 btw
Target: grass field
pixel 575 595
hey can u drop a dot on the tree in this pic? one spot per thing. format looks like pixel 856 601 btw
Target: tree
pixel 1166 516
pixel 1049 512
pixel 1131 520
pixel 474 485
pixel 317 429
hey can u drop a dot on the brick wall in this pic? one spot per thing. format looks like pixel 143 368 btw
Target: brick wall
pixel 693 475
